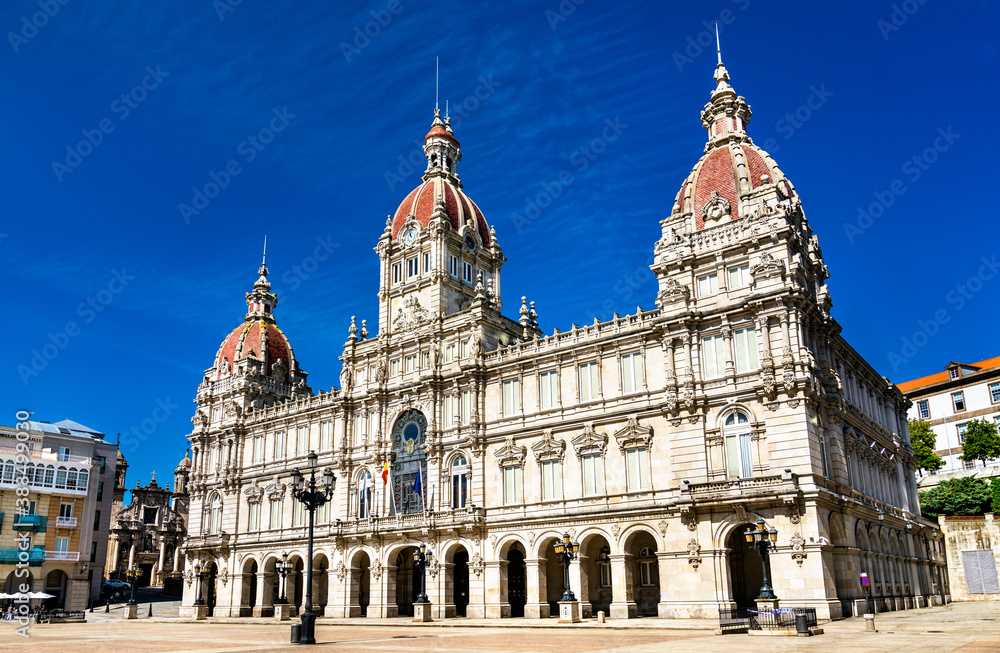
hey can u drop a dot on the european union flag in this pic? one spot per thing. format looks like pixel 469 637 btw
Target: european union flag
pixel 417 489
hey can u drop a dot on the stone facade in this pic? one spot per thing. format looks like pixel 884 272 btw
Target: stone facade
pixel 972 544
pixel 654 439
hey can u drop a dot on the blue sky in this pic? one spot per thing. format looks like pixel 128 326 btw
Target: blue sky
pixel 844 96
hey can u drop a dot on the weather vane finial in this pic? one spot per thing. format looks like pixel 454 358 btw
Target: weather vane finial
pixel 718 48
pixel 437 79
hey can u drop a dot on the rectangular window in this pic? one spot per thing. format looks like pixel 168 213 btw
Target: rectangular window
pixel 511 485
pixel 302 441
pixel 511 397
pixel 63 454
pixel 425 360
pixel 93 551
pixel 279 445
pixel 714 356
pixel 100 490
pixel 298 514
pixel 953 373
pixel 411 363
pixel 62 545
pixel 453 266
pixel 468 271
pixel 968 464
pixel 254 524
pixel 450 407
pixel 360 429
pixel 631 372
pixel 326 435
pixel 708 285
pixel 739 463
pixel 397 272
pixel 746 349
pixel 258 449
pixel 548 391
pixel 551 480
pixel 593 475
pixel 449 353
pixel 275 514
pixel 412 268
pixel 466 406
pixel 394 367
pixel 995 392
pixel 588 382
pixel 149 515
pixel 97 520
pixel 923 409
pixel 739 277
pixel 427 263
pixel 963 429
pixel 958 401
pixel 323 514
pixel 102 461
pixel 605 574
pixel 637 468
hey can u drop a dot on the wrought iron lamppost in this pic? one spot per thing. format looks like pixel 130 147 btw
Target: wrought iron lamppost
pixel 420 564
pixel 283 569
pixel 566 552
pixel 312 499
pixel 132 575
pixel 763 539
pixel 200 572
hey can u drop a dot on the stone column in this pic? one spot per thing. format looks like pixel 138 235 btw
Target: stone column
pixel 577 581
pixel 537 606
pixel 258 603
pixel 496 589
pixel 159 563
pixel 727 339
pixel 623 604
pixel 177 557
pixel 117 555
pixel 131 553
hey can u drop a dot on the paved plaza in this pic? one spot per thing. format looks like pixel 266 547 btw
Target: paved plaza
pixel 966 627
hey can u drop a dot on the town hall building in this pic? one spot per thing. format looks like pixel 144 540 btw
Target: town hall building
pixel 655 439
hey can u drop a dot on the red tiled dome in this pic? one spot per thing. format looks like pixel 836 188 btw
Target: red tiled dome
pixel 438 130
pixel 246 339
pixel 459 208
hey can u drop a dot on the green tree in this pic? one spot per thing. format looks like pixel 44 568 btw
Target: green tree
pixel 995 491
pixel 966 495
pixel 923 440
pixel 981 441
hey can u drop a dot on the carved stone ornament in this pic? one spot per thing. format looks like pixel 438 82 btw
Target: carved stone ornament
pixel 694 554
pixel 797 543
pixel 690 519
pixel 376 569
pixel 531 538
pixel 433 568
pixel 510 454
pixel 549 448
pixel 254 492
pixel 715 208
pixel 410 316
pixel 634 435
pixel 341 571
pixel 233 410
pixel 662 527
pixel 674 292
pixel 740 513
pixel 279 369
pixel 590 442
pixel 275 490
pixel 477 565
pixel 767 268
pixel 615 530
pixel 224 573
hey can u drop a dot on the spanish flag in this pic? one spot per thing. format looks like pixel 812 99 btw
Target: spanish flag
pixel 385 471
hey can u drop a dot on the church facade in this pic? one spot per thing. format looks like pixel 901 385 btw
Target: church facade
pixel 653 439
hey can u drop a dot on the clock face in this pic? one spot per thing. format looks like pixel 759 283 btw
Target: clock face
pixel 470 242
pixel 410 237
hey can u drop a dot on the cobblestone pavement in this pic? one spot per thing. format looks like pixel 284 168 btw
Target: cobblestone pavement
pixel 965 627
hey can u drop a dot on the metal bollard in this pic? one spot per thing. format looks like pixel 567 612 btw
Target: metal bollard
pixel 296 633
pixel 802 625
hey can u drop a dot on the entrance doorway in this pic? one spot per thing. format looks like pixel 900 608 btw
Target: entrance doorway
pixel 213 573
pixel 745 570
pixel 460 579
pixel 407 584
pixel 517 590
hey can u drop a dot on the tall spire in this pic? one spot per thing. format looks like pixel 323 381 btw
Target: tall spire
pixel 261 301
pixel 727 114
pixel 440 145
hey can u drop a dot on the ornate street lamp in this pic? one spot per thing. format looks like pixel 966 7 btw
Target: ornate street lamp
pixel 312 499
pixel 566 552
pixel 283 569
pixel 132 575
pixel 763 539
pixel 420 564
pixel 200 572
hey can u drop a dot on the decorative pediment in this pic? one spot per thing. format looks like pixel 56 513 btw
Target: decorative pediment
pixel 410 316
pixel 254 493
pixel 549 448
pixel 767 268
pixel 590 442
pixel 634 435
pixel 276 490
pixel 510 454
pixel 674 292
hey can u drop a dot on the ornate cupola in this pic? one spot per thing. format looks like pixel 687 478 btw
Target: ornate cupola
pixel 727 114
pixel 442 150
pixel 261 301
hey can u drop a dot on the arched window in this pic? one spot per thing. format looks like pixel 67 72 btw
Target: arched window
pixel 215 518
pixel 365 495
pixel 736 431
pixel 459 482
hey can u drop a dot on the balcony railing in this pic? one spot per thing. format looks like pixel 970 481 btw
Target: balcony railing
pixel 35 523
pixel 416 521
pixel 35 557
pixel 68 522
pixel 70 556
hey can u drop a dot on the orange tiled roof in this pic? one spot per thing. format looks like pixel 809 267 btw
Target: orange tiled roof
pixel 943 376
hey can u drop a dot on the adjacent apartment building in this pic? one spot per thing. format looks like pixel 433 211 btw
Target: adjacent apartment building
pixel 54 510
pixel 949 400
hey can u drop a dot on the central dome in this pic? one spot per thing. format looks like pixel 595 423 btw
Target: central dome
pixel 458 208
